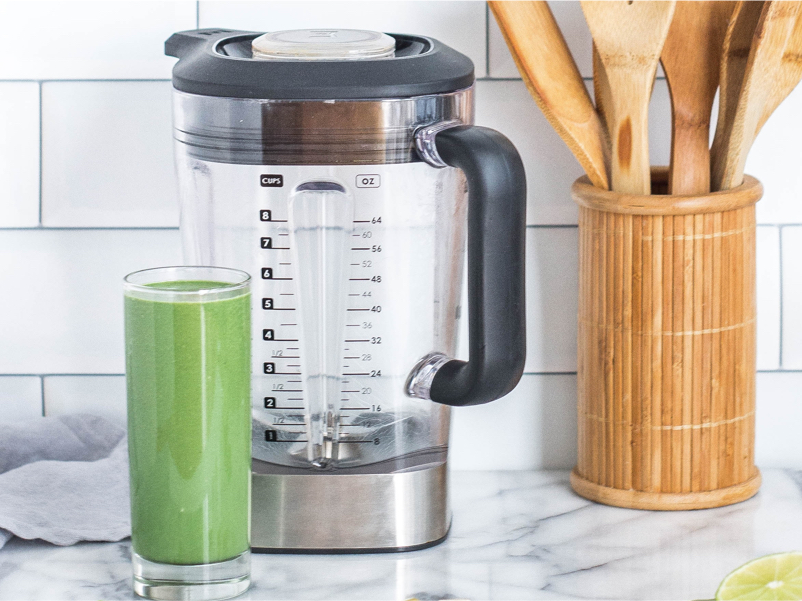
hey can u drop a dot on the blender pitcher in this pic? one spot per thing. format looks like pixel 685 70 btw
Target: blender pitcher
pixel 340 169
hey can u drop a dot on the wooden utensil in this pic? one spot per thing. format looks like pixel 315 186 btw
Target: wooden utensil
pixel 734 56
pixel 629 36
pixel 601 91
pixel 789 75
pixel 553 80
pixel 691 60
pixel 774 28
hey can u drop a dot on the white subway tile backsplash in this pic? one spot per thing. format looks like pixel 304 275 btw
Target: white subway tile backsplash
pixel 533 427
pixel 19 154
pixel 458 24
pixel 792 297
pixel 107 155
pixel 98 395
pixel 20 398
pixel 61 310
pixel 778 416
pixel 551 301
pixel 575 30
pixel 775 159
pixel 550 166
pixel 768 297
pixel 90 40
pixel 552 264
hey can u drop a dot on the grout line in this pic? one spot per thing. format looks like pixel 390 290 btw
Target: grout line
pixel 782 304
pixel 42 390
pixel 60 375
pixel 41 135
pixel 90 228
pixel 526 373
pixel 88 80
pixel 487 40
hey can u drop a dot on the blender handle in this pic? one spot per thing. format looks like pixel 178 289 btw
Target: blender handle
pixel 496 251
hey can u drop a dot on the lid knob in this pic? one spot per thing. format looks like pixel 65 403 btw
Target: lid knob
pixel 323 44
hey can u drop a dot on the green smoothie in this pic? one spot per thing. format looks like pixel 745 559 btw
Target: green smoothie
pixel 188 368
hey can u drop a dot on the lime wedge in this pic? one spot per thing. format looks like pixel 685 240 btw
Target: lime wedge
pixel 773 577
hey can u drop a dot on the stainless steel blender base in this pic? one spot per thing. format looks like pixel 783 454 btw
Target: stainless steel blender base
pixel 307 513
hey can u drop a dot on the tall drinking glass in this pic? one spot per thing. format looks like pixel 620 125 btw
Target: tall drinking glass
pixel 188 371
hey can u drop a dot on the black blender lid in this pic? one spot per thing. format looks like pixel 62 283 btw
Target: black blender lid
pixel 219 62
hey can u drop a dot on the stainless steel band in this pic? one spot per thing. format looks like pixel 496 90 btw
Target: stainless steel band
pixel 350 512
pixel 330 132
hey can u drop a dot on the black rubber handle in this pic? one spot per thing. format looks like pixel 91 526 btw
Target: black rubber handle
pixel 496 239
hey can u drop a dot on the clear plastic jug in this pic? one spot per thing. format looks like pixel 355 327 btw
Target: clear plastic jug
pixel 339 168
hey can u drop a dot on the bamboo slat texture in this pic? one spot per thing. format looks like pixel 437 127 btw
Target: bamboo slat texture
pixel 666 342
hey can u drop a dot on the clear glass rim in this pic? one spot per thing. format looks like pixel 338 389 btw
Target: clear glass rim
pixel 235 282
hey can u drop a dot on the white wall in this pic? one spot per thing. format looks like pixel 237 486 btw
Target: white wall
pixel 87 195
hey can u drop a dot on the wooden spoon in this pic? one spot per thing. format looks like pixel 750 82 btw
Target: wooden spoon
pixel 789 75
pixel 735 55
pixel 629 36
pixel 553 80
pixel 601 91
pixel 774 28
pixel 691 60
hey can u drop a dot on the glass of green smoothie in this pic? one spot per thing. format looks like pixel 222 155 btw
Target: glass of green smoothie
pixel 188 373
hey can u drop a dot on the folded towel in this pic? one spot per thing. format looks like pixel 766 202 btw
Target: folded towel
pixel 64 480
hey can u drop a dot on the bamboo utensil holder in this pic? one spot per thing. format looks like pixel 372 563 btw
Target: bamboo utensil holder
pixel 666 367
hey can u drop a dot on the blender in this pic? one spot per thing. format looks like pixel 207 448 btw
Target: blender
pixel 340 168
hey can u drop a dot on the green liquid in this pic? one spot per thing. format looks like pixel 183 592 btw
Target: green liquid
pixel 188 367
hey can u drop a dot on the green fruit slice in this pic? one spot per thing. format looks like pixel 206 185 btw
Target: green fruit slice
pixel 773 577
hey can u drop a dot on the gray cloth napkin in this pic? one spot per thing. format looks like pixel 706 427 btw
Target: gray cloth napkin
pixel 64 480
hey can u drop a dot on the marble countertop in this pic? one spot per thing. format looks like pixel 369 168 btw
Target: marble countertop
pixel 515 535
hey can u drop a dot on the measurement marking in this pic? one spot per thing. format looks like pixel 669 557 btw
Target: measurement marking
pixel 279 279
pixel 278 248
pixel 286 391
pixel 355 265
pixel 294 440
pixel 288 324
pixel 283 234
pixel 356 235
pixel 284 408
pixel 293 364
pixel 344 391
pixel 285 340
pixel 281 309
pixel 350 357
pixel 358 279
pixel 357 341
pixel 285 263
pixel 352 325
pixel 287 357
pixel 278 221
pixel 296 399
pixel 286 294
pixel 365 374
pixel 293 381
pixel 362 221
pixel 286 373
pixel 357 309
pixel 292 348
pixel 357 442
pixel 360 248
pixel 346 366
pixel 354 408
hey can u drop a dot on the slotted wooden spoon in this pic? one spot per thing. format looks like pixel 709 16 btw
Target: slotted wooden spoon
pixel 629 37
pixel 691 60
pixel 553 80
pixel 771 36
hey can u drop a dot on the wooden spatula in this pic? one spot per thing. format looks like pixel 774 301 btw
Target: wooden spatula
pixel 629 36
pixel 734 56
pixel 691 60
pixel 773 30
pixel 550 73
pixel 789 75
